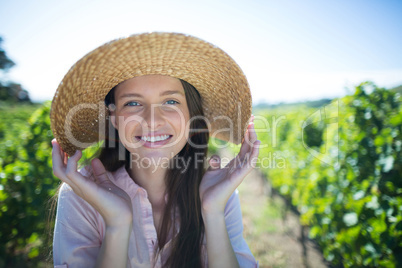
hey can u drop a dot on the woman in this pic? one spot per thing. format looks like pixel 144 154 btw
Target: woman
pixel 147 201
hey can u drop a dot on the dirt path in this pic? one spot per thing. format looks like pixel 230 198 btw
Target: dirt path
pixel 272 232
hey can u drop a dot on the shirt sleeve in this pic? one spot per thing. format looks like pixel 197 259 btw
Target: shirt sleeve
pixel 234 226
pixel 77 239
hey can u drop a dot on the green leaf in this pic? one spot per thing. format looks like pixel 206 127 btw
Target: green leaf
pixel 350 219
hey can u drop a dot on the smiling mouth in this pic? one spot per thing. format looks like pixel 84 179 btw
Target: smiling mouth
pixel 154 139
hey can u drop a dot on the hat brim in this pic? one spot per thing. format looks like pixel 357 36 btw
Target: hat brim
pixel 78 104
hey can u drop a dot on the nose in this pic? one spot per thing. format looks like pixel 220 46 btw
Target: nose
pixel 154 118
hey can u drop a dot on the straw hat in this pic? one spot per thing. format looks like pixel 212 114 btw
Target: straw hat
pixel 78 112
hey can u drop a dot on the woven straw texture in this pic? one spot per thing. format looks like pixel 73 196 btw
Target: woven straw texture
pixel 78 109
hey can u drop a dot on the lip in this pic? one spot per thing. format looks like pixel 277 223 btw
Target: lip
pixel 156 144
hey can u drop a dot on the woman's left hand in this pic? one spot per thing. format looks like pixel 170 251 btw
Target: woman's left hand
pixel 218 183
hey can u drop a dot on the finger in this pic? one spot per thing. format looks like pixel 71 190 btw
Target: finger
pixel 214 162
pixel 251 118
pixel 235 163
pixel 99 171
pixel 72 163
pixel 252 136
pixel 65 156
pixel 62 153
pixel 54 141
pixel 246 144
pixel 244 164
pixel 254 154
pixel 249 121
pixel 246 147
pixel 252 133
pixel 57 161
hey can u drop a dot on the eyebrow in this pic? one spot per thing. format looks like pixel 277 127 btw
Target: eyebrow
pixel 171 92
pixel 165 93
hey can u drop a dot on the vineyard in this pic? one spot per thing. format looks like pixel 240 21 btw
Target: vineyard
pixel 339 165
pixel 26 183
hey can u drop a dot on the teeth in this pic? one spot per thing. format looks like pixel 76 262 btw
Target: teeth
pixel 154 138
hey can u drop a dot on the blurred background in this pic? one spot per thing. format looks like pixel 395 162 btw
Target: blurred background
pixel 331 70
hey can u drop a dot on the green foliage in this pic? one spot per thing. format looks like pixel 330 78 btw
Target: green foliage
pixel 397 89
pixel 13 93
pixel 343 173
pixel 26 184
pixel 10 92
pixel 5 62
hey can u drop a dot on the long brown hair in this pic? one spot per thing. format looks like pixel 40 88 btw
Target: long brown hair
pixel 182 185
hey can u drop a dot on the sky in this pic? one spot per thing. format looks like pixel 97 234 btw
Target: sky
pixel 289 50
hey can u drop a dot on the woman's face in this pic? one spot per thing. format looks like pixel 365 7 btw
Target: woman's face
pixel 151 116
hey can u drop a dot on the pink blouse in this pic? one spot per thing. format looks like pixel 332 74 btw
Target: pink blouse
pixel 80 229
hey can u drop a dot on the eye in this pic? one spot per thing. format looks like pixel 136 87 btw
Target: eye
pixel 132 103
pixel 172 102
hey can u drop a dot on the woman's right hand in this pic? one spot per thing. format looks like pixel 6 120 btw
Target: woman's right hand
pixel 109 200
